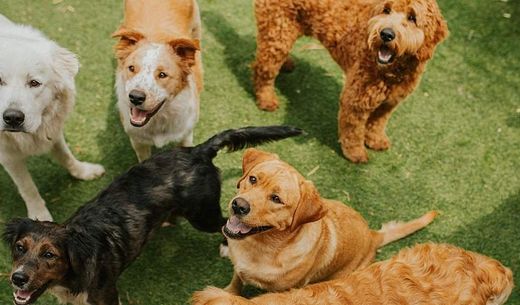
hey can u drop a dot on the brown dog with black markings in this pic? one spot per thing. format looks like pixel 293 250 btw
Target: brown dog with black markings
pixel 282 234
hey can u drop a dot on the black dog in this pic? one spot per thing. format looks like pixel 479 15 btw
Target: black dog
pixel 80 261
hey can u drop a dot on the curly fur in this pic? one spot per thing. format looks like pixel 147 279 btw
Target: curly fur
pixel 434 274
pixel 351 31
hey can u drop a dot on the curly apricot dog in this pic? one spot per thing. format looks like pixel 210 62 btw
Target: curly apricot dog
pixel 382 46
pixel 425 274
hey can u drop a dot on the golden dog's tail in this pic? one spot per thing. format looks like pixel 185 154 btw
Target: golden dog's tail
pixel 394 230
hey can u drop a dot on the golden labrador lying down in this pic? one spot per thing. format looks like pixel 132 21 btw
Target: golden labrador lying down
pixel 282 234
pixel 425 274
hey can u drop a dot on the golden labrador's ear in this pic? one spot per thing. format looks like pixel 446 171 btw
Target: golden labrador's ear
pixel 310 207
pixel 252 157
pixel 127 40
pixel 65 68
pixel 186 49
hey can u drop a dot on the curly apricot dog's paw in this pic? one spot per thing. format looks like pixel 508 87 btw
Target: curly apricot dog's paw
pixel 355 154
pixel 377 142
pixel 211 296
pixel 266 99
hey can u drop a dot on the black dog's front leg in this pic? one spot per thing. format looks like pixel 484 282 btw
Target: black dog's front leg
pixel 107 295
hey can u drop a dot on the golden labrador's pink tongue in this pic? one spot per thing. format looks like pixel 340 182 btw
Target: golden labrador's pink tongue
pixel 236 226
pixel 137 115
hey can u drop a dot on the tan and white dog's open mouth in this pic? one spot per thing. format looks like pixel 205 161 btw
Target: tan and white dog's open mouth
pixel 139 117
pixel 385 55
pixel 236 229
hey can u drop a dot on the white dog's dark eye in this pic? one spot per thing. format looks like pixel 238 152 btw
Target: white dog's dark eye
pixel 252 179
pixel 131 68
pixel 276 199
pixel 412 18
pixel 163 75
pixel 48 255
pixel 387 10
pixel 34 84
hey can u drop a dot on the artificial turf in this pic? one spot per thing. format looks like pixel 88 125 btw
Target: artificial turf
pixel 456 140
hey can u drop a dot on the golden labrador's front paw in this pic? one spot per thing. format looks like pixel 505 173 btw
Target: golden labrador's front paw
pixel 355 154
pixel 211 296
pixel 377 142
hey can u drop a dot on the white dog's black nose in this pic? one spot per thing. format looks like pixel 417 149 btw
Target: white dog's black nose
pixel 137 97
pixel 387 34
pixel 13 118
pixel 19 279
pixel 240 206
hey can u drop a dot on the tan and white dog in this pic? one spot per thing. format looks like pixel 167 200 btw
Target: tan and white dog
pixel 37 93
pixel 159 73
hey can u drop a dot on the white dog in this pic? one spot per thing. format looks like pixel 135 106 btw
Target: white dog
pixel 36 95
pixel 159 73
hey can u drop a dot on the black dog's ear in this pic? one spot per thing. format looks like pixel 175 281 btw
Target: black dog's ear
pixel 82 249
pixel 15 228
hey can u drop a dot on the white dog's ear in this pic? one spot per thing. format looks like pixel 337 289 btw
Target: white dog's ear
pixel 65 67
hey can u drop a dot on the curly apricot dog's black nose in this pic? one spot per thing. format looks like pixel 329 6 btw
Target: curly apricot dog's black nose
pixel 19 279
pixel 387 34
pixel 240 206
pixel 137 97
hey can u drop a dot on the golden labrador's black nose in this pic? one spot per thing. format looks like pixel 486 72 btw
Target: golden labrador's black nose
pixel 19 279
pixel 13 118
pixel 240 206
pixel 137 97
pixel 387 34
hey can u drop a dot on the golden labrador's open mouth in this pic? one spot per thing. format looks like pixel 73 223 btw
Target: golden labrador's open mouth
pixel 139 117
pixel 236 229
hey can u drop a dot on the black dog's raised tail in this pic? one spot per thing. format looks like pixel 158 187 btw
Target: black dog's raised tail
pixel 236 139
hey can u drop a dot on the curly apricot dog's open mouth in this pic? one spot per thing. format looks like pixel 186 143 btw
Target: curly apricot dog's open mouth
pixel 236 229
pixel 385 55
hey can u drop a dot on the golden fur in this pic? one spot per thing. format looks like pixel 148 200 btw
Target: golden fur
pixel 308 238
pixel 159 57
pixel 427 274
pixel 351 30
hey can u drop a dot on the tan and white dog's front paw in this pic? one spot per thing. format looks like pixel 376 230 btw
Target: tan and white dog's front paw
pixel 87 171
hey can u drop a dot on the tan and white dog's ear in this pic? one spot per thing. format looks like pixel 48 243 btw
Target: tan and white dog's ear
pixel 252 157
pixel 310 208
pixel 186 49
pixel 65 68
pixel 127 39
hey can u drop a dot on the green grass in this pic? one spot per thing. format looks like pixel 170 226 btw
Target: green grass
pixel 456 140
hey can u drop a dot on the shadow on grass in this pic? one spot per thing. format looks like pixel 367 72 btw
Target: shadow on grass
pixel 495 235
pixel 312 93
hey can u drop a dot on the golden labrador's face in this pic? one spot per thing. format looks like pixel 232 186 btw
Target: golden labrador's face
pixel 272 195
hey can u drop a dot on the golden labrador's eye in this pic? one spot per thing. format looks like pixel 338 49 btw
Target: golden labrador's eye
pixel 163 75
pixel 131 68
pixel 387 10
pixel 276 199
pixel 48 255
pixel 412 18
pixel 252 179
pixel 34 84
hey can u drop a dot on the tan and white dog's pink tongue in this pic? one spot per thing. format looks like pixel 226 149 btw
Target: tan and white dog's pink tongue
pixel 138 116
pixel 236 226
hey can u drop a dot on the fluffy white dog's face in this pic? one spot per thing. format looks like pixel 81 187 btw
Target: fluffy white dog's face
pixel 34 74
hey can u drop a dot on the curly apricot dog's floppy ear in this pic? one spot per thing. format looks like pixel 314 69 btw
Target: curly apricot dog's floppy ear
pixel 252 157
pixel 310 207
pixel 127 40
pixel 436 30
